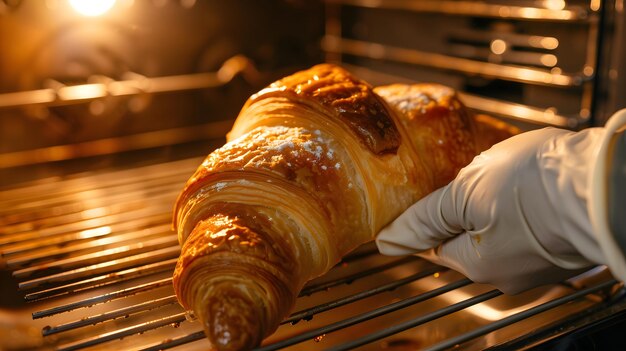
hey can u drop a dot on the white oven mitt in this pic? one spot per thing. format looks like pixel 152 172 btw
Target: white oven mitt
pixel 516 217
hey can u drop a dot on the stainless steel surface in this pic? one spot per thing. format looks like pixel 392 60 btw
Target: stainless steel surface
pixel 141 67
pixel 539 55
pixel 116 145
pixel 491 70
pixel 480 9
pixel 135 85
pixel 93 254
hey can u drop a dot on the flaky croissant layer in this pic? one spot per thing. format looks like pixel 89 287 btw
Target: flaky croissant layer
pixel 316 165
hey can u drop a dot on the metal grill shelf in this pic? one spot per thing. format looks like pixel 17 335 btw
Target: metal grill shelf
pixel 93 253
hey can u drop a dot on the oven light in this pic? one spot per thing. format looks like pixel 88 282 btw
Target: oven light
pixel 92 8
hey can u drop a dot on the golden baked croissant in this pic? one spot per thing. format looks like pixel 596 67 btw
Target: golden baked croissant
pixel 316 165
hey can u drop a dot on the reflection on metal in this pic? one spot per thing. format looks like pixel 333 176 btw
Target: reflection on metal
pixel 445 62
pixel 499 53
pixel 136 84
pixel 213 130
pixel 516 111
pixel 509 47
pixel 517 317
pixel 476 8
pixel 498 46
pixel 111 293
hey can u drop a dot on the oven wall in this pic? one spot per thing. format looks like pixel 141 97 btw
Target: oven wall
pixel 46 44
pixel 537 62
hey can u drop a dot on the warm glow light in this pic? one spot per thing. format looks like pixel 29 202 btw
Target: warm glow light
pixel 555 4
pixel 548 60
pixel 92 7
pixel 95 232
pixel 549 43
pixel 82 92
pixel 498 46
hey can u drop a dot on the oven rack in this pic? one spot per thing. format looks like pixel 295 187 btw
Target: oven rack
pixel 512 10
pixel 134 84
pixel 533 60
pixel 93 255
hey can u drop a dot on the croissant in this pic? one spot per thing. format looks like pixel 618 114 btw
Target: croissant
pixel 315 165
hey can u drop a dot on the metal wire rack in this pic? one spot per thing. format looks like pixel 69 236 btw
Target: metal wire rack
pixel 93 253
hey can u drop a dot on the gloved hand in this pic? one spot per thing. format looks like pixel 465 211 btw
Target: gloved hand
pixel 516 217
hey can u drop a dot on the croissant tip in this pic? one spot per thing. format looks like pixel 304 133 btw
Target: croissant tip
pixel 230 320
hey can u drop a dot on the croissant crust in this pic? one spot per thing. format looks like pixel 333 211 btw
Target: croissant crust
pixel 315 165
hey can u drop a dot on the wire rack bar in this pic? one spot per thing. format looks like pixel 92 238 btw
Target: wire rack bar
pixel 175 319
pixel 477 9
pixel 87 204
pixel 137 225
pixel 54 187
pixel 170 343
pixel 310 312
pixel 365 316
pixel 104 280
pixel 449 343
pixel 122 312
pixel 59 215
pixel 311 289
pixel 103 256
pixel 71 249
pixel 103 298
pixel 138 84
pixel 417 321
pixel 41 205
pixel 136 216
pixel 450 63
pixel 107 267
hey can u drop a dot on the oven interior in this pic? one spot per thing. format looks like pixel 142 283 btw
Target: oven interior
pixel 89 258
pixel 102 119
